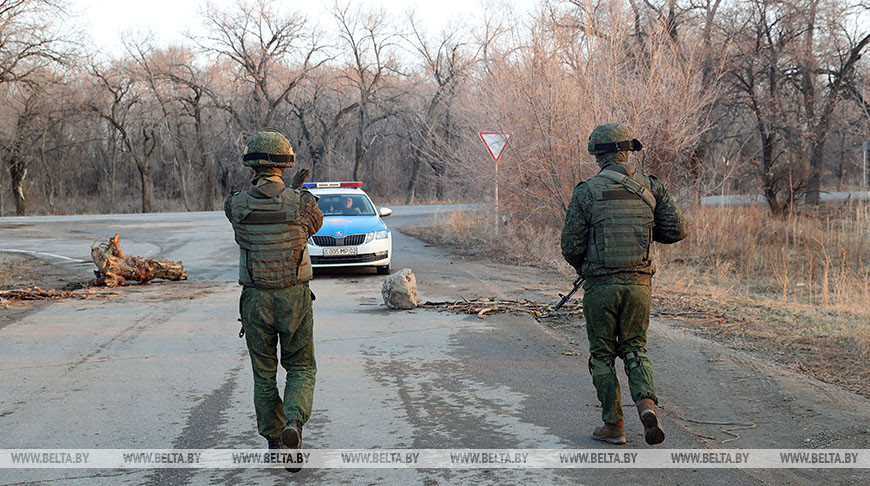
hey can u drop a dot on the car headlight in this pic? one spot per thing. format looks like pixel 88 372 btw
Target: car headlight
pixel 377 235
pixel 311 241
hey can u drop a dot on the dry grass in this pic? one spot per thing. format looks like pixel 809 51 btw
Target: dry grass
pixel 814 265
pixel 471 232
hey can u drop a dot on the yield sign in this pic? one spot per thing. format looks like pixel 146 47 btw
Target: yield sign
pixel 495 142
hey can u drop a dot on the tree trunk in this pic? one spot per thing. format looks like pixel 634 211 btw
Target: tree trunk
pixel 415 176
pixel 145 178
pixel 358 149
pixel 808 90
pixel 814 186
pixel 185 199
pixel 48 175
pixel 768 179
pixel 20 200
pixel 2 199
pixel 316 155
pixel 841 170
pixel 144 166
pixel 439 181
pixel 18 173
pixel 207 176
pixel 114 267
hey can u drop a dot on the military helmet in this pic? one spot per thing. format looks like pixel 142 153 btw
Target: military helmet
pixel 612 137
pixel 269 148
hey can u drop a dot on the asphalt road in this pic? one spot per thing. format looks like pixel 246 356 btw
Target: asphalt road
pixel 161 366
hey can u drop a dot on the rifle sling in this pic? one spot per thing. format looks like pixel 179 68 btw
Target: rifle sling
pixel 632 185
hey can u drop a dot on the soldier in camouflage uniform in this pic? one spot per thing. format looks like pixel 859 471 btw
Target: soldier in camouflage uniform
pixel 610 226
pixel 272 224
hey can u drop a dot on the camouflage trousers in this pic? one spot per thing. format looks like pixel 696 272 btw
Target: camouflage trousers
pixel 617 317
pixel 270 318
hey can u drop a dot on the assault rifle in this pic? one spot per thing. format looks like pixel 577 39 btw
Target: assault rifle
pixel 578 282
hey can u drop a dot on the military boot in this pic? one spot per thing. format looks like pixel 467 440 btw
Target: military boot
pixel 612 433
pixel 292 439
pixel 275 444
pixel 652 426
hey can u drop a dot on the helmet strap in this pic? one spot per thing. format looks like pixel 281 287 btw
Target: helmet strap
pixel 633 145
pixel 281 159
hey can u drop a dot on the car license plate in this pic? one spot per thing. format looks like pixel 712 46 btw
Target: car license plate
pixel 339 251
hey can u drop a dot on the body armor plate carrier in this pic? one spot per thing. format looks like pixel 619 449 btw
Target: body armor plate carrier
pixel 621 224
pixel 273 247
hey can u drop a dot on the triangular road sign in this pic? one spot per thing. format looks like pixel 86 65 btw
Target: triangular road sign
pixel 495 142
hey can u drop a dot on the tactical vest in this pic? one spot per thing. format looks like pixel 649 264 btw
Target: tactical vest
pixel 621 223
pixel 273 247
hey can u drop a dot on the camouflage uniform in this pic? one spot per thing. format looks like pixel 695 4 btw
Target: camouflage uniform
pixel 607 238
pixel 272 224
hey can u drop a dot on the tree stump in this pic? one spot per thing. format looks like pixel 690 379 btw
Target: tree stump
pixel 114 267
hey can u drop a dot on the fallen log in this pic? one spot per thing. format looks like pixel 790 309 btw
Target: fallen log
pixel 115 268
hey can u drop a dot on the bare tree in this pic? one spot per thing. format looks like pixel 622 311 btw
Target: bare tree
pixel 29 44
pixel 370 46
pixel 824 72
pixel 272 51
pixel 16 154
pixel 322 110
pixel 446 62
pixel 758 81
pixel 136 130
pixel 28 40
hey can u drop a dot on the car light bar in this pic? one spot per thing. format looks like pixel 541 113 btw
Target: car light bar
pixel 325 185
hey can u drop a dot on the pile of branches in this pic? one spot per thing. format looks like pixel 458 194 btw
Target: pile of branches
pixel 483 307
pixel 36 293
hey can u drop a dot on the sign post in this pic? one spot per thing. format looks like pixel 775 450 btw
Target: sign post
pixel 495 143
pixel 864 165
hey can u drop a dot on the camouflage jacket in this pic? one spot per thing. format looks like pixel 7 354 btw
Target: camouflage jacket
pixel 670 227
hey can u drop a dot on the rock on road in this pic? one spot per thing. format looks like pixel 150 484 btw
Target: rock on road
pixel 161 366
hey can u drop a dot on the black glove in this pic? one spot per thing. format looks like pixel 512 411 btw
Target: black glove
pixel 299 178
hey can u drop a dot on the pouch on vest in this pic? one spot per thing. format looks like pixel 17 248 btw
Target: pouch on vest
pixel 626 246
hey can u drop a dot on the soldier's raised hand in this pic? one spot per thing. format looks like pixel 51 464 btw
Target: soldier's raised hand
pixel 299 178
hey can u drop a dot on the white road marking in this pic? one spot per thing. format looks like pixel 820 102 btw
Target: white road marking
pixel 30 252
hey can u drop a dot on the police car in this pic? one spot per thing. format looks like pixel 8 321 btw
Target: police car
pixel 353 233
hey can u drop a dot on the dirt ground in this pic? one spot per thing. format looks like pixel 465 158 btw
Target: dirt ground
pixel 21 271
pixel 839 360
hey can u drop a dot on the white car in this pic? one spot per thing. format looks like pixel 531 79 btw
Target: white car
pixel 353 233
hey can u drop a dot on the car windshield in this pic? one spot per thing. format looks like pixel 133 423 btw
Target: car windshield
pixel 345 205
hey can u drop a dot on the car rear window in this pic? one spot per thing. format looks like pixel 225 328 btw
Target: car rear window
pixel 345 205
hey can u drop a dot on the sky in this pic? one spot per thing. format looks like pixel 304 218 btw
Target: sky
pixel 106 21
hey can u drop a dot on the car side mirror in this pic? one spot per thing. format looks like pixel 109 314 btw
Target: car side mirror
pixel 384 212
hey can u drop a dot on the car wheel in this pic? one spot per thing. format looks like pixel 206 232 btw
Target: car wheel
pixel 385 270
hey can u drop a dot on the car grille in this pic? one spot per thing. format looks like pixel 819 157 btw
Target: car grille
pixel 339 259
pixel 349 240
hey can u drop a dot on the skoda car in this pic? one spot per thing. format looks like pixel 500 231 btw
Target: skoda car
pixel 353 233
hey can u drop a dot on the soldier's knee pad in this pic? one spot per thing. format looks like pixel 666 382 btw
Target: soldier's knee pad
pixel 635 359
pixel 598 367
